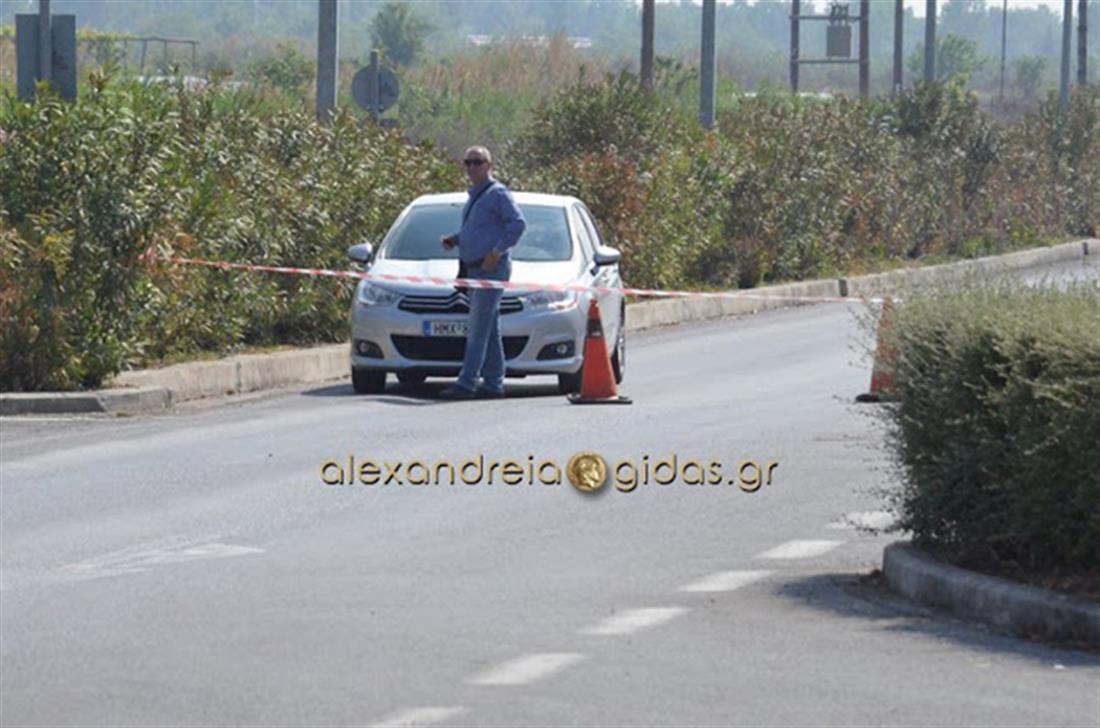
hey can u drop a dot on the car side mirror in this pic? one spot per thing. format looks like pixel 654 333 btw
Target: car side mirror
pixel 361 253
pixel 606 255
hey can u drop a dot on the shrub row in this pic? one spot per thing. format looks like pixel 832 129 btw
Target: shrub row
pixel 86 188
pixel 789 188
pixel 996 426
pixel 783 188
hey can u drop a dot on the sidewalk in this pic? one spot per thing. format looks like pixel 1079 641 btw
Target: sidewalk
pixel 150 390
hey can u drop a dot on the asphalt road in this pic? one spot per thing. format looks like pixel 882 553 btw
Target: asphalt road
pixel 193 569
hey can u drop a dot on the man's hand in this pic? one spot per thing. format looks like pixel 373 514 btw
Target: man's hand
pixel 447 241
pixel 491 260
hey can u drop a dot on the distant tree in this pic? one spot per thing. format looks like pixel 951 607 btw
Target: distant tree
pixel 287 70
pixel 956 57
pixel 399 32
pixel 1029 75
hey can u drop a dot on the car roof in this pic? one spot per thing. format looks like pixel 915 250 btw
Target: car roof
pixel 530 198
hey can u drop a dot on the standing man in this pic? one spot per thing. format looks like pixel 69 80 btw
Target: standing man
pixel 491 225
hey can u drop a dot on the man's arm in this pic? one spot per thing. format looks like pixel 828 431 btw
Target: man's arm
pixel 511 218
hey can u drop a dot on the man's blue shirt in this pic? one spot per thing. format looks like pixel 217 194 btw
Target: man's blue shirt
pixel 494 223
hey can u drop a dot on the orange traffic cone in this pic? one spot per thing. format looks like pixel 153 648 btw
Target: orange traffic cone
pixel 886 356
pixel 597 379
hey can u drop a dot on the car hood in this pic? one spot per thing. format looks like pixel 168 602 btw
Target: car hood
pixel 555 272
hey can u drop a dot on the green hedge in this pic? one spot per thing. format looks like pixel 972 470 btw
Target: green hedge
pixel 997 425
pixel 784 188
pixel 788 188
pixel 86 187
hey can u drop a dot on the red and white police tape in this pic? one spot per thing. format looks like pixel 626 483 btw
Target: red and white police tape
pixel 437 282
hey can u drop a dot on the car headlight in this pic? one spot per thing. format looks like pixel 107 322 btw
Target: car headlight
pixel 372 295
pixel 550 300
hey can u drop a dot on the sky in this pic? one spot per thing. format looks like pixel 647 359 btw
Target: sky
pixel 919 5
pixel 1054 5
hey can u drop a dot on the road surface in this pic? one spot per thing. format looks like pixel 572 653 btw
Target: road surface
pixel 192 568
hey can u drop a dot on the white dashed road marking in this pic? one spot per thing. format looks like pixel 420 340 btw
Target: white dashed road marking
pixel 137 559
pixel 799 549
pixel 418 716
pixel 864 519
pixel 526 669
pixel 632 620
pixel 724 581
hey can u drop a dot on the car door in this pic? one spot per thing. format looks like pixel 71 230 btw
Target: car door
pixel 605 275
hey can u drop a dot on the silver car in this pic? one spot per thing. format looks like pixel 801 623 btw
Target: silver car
pixel 417 331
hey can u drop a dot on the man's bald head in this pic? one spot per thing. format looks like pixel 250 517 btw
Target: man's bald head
pixel 478 152
pixel 478 162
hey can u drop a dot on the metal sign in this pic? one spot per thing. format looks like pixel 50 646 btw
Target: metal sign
pixel 388 88
pixel 838 36
pixel 62 71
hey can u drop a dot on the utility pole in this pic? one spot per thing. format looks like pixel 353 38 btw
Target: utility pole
pixel 1004 44
pixel 326 58
pixel 647 42
pixel 899 29
pixel 45 52
pixel 930 40
pixel 796 10
pixel 1082 42
pixel 1067 39
pixel 706 67
pixel 864 48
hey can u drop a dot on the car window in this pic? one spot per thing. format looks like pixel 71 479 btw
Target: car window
pixel 590 224
pixel 416 236
pixel 583 234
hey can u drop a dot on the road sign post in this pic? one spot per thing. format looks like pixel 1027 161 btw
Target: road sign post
pixel 375 87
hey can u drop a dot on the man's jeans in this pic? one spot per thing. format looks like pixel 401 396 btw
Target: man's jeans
pixel 484 345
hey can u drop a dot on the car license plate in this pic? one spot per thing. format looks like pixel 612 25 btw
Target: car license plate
pixel 445 328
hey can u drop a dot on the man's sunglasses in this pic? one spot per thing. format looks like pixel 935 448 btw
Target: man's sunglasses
pixel 473 162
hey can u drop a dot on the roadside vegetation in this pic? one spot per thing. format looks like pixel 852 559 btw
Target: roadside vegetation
pixel 995 428
pixel 87 188
pixel 784 188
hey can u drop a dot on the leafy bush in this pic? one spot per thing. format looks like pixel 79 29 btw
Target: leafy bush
pixel 287 70
pixel 645 170
pixel 997 424
pixel 86 188
pixel 784 188
pixel 1029 74
pixel 957 58
pixel 792 188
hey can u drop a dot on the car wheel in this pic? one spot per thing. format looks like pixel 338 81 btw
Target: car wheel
pixel 570 383
pixel 411 379
pixel 368 381
pixel 618 359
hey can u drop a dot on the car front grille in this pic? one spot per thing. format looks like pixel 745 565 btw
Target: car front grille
pixel 454 303
pixel 447 348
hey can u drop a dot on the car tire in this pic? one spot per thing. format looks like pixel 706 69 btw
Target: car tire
pixel 618 358
pixel 411 379
pixel 570 383
pixel 368 381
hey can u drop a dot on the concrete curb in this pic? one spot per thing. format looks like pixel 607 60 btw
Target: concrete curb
pixel 894 281
pixel 243 373
pixel 1023 610
pixel 153 389
pixel 114 401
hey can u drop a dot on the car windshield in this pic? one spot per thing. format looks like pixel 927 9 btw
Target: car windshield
pixel 417 236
